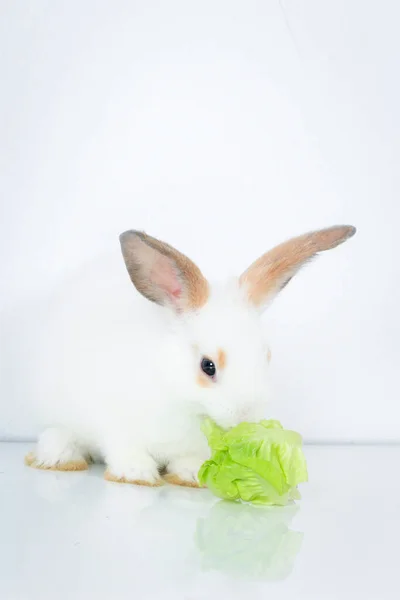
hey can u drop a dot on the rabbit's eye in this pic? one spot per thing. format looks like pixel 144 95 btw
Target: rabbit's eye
pixel 208 367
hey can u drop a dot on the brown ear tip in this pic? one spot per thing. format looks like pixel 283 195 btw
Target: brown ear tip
pixel 344 231
pixel 341 233
pixel 351 230
pixel 334 236
pixel 125 236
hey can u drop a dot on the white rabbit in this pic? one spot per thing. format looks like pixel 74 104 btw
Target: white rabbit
pixel 128 381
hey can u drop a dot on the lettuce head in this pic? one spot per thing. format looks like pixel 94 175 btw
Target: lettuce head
pixel 261 463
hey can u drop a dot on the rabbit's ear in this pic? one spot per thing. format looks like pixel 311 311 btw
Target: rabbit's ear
pixel 270 273
pixel 161 273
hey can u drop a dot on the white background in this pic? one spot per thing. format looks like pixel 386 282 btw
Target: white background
pixel 222 127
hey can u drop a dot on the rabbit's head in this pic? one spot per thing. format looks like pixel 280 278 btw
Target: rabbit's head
pixel 219 358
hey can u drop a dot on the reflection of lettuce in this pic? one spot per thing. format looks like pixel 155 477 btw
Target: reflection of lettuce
pixel 248 541
pixel 256 462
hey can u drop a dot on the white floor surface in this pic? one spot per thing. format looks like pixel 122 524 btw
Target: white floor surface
pixel 78 537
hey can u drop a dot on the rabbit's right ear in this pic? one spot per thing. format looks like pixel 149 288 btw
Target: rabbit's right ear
pixel 161 273
pixel 269 274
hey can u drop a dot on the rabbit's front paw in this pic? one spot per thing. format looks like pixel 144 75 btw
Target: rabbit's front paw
pixel 139 470
pixel 184 471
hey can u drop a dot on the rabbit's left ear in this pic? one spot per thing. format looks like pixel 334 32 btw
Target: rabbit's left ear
pixel 161 273
pixel 269 274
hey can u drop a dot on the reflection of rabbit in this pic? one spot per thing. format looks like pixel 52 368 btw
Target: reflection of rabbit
pixel 148 534
pixel 125 380
pixel 249 541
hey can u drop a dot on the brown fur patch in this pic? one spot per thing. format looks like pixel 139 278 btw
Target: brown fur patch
pixel 221 359
pixel 176 480
pixel 111 477
pixel 141 252
pixel 203 380
pixel 72 465
pixel 273 270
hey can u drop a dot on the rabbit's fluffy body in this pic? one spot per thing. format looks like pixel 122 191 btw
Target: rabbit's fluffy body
pixel 119 378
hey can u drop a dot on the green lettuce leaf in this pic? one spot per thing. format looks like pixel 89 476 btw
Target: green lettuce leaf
pixel 261 463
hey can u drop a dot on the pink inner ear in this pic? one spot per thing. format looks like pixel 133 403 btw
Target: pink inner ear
pixel 177 293
pixel 165 276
